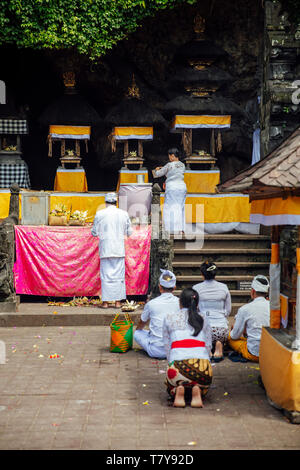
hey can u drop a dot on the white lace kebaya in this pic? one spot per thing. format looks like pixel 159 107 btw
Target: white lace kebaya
pixel 177 328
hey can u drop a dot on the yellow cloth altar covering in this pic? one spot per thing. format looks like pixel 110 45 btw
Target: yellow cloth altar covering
pixel 133 132
pixel 70 180
pixel 70 132
pixel 280 371
pixel 202 121
pixel 4 203
pixel 216 208
pixel 204 181
pixel 90 202
pixel 276 211
pixel 130 176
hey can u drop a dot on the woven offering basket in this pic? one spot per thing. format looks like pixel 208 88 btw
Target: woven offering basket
pixel 121 334
pixel 58 220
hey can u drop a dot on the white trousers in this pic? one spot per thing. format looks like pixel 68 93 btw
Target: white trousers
pixel 142 337
pixel 112 276
pixel 174 207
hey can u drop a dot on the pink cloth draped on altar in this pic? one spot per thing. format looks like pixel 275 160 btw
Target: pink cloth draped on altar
pixel 64 261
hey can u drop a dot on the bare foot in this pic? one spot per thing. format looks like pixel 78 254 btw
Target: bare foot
pixel 104 305
pixel 218 349
pixel 196 397
pixel 118 304
pixel 179 401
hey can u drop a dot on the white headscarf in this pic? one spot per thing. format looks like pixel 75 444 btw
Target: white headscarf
pixel 258 286
pixel 170 279
pixel 111 197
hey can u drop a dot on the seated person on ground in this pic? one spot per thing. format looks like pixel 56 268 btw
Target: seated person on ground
pixel 249 320
pixel 154 312
pixel 187 339
pixel 215 305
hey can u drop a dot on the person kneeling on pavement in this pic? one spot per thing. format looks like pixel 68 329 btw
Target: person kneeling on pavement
pixel 154 312
pixel 188 339
pixel 249 320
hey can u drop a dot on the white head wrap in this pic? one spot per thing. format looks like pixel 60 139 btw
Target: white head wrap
pixel 258 286
pixel 111 197
pixel 170 278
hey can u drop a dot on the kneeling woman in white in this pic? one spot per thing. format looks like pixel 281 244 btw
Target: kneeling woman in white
pixel 187 340
pixel 175 193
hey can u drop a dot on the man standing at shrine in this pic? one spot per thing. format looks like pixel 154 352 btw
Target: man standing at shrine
pixel 112 225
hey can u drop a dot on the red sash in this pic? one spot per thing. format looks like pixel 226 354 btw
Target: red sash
pixel 188 343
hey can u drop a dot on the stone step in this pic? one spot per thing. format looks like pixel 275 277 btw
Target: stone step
pixel 232 281
pixel 220 278
pixel 222 255
pixel 222 250
pixel 223 264
pixel 224 267
pixel 226 240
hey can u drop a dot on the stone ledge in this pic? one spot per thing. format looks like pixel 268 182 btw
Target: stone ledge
pixel 102 318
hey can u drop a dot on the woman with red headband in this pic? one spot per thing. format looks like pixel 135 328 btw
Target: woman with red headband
pixel 187 340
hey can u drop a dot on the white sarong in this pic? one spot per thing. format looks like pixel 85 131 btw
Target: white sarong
pixel 112 276
pixel 174 207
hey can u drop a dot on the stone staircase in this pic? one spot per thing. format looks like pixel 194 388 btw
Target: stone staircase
pixel 239 258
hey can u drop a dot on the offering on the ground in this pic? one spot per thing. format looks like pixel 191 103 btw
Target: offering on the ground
pixel 129 306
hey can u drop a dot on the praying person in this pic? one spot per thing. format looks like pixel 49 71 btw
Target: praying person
pixel 154 313
pixel 215 305
pixel 249 320
pixel 175 192
pixel 187 339
pixel 112 225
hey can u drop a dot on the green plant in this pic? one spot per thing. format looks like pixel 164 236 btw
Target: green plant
pixel 92 27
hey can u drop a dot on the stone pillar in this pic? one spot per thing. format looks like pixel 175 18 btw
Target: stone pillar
pixel 8 297
pixel 161 255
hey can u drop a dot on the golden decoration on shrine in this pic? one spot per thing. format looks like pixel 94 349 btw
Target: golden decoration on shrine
pixel 200 64
pixel 199 25
pixel 133 90
pixel 69 79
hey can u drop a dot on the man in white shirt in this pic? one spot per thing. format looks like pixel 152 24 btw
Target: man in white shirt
pixel 112 225
pixel 154 312
pixel 249 320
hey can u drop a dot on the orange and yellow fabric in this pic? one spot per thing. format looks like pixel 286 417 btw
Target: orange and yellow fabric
pixel 274 271
pixel 240 346
pixel 280 371
pixel 201 181
pixel 90 202
pixel 130 176
pixel 132 132
pixel 201 121
pixel 70 132
pixel 276 211
pixel 4 203
pixel 216 208
pixel 70 180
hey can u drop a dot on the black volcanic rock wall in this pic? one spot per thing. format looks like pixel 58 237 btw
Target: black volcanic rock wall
pixel 233 26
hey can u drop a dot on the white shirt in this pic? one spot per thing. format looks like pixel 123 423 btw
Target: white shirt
pixel 174 172
pixel 214 302
pixel 111 225
pixel 176 328
pixel 155 310
pixel 253 317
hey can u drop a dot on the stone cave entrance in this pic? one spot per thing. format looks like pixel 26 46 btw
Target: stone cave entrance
pixel 173 75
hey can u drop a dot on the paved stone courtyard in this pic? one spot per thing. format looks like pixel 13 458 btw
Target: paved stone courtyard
pixel 84 397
